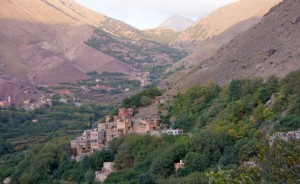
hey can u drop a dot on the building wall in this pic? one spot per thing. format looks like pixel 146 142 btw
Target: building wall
pixel 140 128
pixel 109 167
pixel 102 126
pixel 124 124
pixel 125 113
pixel 174 132
pixel 111 133
pixel 179 165
pixel 285 136
pixel 5 104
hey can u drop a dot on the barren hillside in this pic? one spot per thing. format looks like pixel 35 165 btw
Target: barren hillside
pixel 268 48
pixel 221 20
pixel 209 47
pixel 47 42
pixel 42 39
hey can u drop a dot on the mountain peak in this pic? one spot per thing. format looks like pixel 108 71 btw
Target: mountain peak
pixel 176 23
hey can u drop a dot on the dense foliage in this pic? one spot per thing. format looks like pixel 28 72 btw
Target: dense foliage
pixel 227 141
pixel 244 104
pixel 5 147
pixel 19 134
pixel 143 98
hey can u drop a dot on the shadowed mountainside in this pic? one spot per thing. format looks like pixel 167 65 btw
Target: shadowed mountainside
pixel 268 48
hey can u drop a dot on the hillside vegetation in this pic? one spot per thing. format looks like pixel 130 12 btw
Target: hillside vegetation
pixel 132 51
pixel 21 137
pixel 229 128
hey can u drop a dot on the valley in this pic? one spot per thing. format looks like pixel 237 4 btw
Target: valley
pixel 41 49
pixel 85 98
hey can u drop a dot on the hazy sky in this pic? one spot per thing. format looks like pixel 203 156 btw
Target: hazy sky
pixel 144 14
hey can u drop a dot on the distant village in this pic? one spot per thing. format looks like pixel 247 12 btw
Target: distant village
pixel 29 104
pixel 46 99
pixel 97 138
pixel 143 77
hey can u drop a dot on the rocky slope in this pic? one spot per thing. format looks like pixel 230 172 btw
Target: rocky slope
pixel 209 47
pixel 268 48
pixel 176 23
pixel 221 20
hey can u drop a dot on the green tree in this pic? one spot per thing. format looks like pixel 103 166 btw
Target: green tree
pixel 146 178
pixel 162 166
pixel 276 164
pixel 5 147
pixel 235 90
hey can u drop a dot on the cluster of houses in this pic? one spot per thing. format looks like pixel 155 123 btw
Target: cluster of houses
pixel 97 138
pixel 6 103
pixel 124 123
pixel 143 77
pixel 40 102
pixel 28 104
pixel 285 136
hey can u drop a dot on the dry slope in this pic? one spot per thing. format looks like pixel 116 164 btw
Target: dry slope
pixel 268 48
pixel 42 42
pixel 221 20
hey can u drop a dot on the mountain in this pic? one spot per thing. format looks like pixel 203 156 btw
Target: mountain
pixel 267 48
pixel 42 43
pixel 204 49
pixel 209 47
pixel 176 23
pixel 132 46
pixel 221 20
pixel 49 42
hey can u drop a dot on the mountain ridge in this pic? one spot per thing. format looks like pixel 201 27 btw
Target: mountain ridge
pixel 219 21
pixel 267 48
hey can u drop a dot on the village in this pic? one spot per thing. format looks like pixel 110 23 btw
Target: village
pixel 143 77
pixel 111 88
pixel 30 104
pixel 97 138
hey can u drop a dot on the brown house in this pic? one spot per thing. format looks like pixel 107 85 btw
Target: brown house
pixel 5 104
